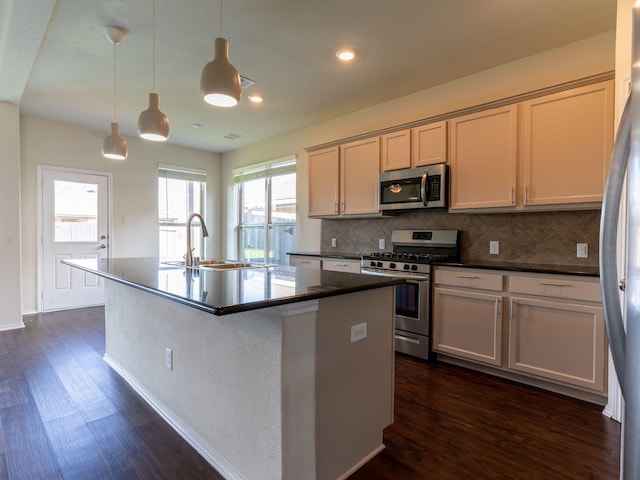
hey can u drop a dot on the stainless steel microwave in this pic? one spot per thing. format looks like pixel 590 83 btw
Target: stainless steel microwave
pixel 414 188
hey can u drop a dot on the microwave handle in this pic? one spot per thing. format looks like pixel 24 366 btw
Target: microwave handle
pixel 423 189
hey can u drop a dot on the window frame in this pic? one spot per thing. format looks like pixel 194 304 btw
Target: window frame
pixel 266 171
pixel 190 175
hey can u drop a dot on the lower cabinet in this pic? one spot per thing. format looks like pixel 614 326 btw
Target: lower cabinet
pixel 542 329
pixel 468 324
pixel 558 340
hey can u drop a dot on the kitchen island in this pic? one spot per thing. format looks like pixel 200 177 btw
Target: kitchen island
pixel 270 373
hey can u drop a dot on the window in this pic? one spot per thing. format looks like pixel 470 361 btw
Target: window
pixel 267 211
pixel 181 192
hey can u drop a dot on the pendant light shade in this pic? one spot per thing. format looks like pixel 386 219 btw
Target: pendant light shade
pixel 114 146
pixel 152 123
pixel 220 81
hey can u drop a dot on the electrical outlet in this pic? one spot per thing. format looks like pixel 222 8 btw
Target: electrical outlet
pixel 168 358
pixel 582 250
pixel 381 243
pixel 358 332
pixel 494 247
pixel 333 243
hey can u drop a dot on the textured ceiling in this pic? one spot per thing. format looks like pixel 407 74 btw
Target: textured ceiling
pixel 56 61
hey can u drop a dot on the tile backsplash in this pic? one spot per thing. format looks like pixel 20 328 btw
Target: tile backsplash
pixel 531 237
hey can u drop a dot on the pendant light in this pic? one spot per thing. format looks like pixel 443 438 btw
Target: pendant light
pixel 152 123
pixel 114 146
pixel 220 81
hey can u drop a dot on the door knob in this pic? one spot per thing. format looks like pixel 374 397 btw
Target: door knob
pixel 103 237
pixel 103 246
pixel 622 284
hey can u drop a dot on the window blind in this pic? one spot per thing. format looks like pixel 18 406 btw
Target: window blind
pixel 182 173
pixel 281 166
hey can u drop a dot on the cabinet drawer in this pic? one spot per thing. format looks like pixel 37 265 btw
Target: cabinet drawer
pixel 341 266
pixel 559 287
pixel 470 279
pixel 304 262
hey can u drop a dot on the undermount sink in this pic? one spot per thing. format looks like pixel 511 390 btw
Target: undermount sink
pixel 218 264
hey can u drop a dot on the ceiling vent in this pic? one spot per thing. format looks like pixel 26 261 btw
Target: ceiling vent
pixel 246 82
pixel 232 136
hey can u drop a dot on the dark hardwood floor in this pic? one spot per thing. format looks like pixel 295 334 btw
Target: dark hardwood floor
pixel 65 414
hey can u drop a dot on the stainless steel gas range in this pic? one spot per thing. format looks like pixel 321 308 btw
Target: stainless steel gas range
pixel 411 258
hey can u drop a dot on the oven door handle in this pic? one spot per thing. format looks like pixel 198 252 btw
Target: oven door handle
pixel 419 278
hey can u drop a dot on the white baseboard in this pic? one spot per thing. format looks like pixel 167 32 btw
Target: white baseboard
pixel 357 466
pixel 202 447
pixel 11 326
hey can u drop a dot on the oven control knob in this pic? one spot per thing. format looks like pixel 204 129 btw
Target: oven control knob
pixel 414 267
pixel 392 265
pixel 406 266
pixel 373 264
pixel 379 265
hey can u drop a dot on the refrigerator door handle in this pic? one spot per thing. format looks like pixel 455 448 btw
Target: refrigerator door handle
pixel 608 244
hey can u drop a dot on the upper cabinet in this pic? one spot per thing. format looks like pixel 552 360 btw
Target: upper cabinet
pixel 429 144
pixel 415 147
pixel 324 184
pixel 483 159
pixel 567 142
pixel 395 150
pixel 343 180
pixel 554 155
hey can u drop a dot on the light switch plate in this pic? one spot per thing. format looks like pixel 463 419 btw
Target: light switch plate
pixel 333 243
pixel 358 332
pixel 381 243
pixel 494 247
pixel 582 250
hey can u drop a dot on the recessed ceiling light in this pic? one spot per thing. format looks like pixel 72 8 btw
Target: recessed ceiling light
pixel 196 125
pixel 256 98
pixel 346 55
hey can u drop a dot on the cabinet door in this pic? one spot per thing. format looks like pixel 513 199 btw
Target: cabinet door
pixel 468 325
pixel 395 150
pixel 324 185
pixel 429 144
pixel 359 170
pixel 483 159
pixel 568 138
pixel 559 341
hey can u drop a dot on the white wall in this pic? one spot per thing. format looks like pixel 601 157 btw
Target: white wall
pixel 135 189
pixel 10 313
pixel 587 57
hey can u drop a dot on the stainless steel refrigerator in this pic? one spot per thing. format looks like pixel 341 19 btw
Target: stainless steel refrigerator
pixel 624 340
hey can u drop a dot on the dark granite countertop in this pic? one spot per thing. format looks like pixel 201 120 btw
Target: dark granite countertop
pixel 586 271
pixel 230 291
pixel 344 255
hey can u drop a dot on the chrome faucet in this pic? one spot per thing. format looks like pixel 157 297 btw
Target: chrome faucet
pixel 188 259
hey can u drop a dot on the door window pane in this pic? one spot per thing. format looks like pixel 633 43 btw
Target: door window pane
pixel 76 211
pixel 253 202
pixel 252 243
pixel 283 199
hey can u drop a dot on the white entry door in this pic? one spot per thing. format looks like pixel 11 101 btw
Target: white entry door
pixel 75 225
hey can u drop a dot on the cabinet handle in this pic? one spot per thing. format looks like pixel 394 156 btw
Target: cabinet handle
pixel 305 261
pixel 343 207
pixel 335 208
pixel 512 308
pixel 466 276
pixel 526 195
pixel 497 308
pixel 555 284
pixel 512 195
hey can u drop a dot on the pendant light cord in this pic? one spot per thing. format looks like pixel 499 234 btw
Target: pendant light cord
pixel 220 18
pixel 115 90
pixel 153 42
